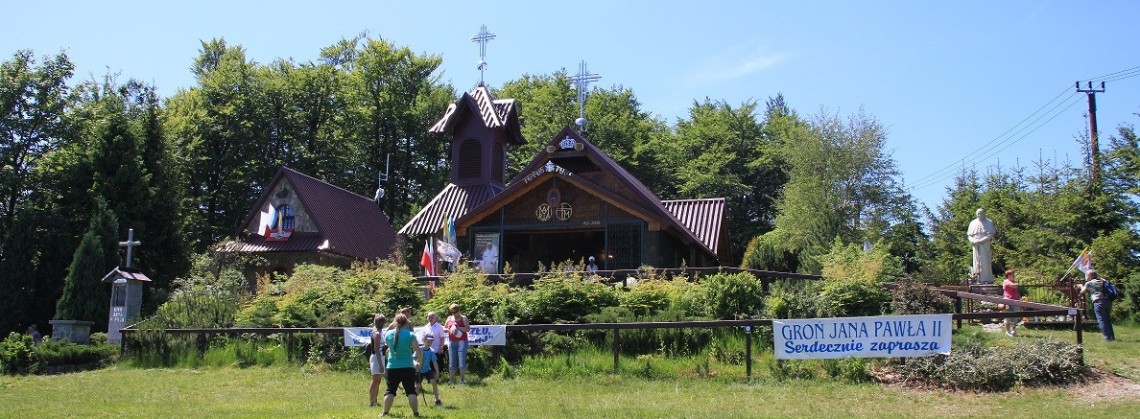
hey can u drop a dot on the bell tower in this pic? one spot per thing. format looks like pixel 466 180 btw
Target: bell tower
pixel 481 128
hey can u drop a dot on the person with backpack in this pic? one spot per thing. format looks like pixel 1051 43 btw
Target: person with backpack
pixel 375 351
pixel 1102 292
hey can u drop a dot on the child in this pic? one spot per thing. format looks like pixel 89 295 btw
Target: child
pixel 429 369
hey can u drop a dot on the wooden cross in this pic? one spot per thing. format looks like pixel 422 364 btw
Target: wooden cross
pixel 483 37
pixel 130 245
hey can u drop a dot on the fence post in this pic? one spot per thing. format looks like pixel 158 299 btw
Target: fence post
pixel 1079 325
pixel 748 352
pixel 617 349
pixel 958 310
pixel 123 343
pixel 289 346
pixel 201 344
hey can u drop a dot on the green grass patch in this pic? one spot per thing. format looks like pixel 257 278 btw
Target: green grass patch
pixel 298 392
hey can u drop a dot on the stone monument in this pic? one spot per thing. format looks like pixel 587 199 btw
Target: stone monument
pixel 981 235
pixel 126 292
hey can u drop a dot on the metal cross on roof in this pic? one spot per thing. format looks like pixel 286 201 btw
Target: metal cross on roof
pixel 483 37
pixel 130 245
pixel 582 81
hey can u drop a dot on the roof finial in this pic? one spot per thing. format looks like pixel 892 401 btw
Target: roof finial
pixel 581 81
pixel 482 38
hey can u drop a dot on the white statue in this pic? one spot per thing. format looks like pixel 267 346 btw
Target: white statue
pixel 981 234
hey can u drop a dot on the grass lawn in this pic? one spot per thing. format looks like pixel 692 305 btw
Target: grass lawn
pixel 299 392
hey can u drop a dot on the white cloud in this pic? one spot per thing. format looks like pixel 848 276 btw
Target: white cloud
pixel 737 66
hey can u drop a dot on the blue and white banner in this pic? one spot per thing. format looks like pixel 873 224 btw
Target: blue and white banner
pixel 357 336
pixel 487 335
pixel 863 337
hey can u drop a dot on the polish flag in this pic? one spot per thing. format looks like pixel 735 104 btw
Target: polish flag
pixel 427 260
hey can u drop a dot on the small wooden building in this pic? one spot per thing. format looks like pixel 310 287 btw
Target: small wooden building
pixel 571 202
pixel 301 219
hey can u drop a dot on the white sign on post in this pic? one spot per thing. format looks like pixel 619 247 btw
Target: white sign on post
pixel 863 337
pixel 487 335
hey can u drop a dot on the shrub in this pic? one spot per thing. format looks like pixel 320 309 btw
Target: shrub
pixel 16 355
pixel 560 298
pixel 914 297
pixel 852 262
pixel 646 298
pixel 320 296
pixel 977 368
pixel 733 296
pixel 209 297
pixel 794 300
pixel 853 297
pixel 770 252
pixel 62 352
pixel 481 302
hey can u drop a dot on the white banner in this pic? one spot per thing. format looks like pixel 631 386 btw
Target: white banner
pixel 863 337
pixel 487 335
pixel 357 336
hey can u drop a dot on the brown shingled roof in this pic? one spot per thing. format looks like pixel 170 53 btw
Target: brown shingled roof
pixel 495 113
pixel 348 224
pixel 646 200
pixel 452 201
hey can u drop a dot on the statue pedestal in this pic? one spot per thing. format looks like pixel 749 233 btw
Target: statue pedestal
pixel 77 331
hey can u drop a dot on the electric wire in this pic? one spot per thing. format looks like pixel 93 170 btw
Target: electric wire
pixel 1075 99
pixel 951 166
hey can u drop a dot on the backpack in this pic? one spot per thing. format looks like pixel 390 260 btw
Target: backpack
pixel 1111 291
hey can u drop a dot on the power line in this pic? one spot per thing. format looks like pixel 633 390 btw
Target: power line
pixel 980 149
pixel 932 182
pixel 1106 76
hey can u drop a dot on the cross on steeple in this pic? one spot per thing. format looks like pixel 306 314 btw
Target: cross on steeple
pixel 130 245
pixel 582 81
pixel 483 37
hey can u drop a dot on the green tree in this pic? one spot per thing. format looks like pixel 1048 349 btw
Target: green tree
pixel 841 184
pixel 33 99
pixel 216 129
pixel 84 296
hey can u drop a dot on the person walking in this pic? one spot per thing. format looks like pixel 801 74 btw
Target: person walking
pixel 404 358
pixel 1102 302
pixel 457 327
pixel 1010 291
pixel 376 357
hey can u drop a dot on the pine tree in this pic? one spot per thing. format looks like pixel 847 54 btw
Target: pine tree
pixel 84 296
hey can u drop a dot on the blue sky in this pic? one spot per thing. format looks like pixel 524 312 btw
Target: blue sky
pixel 946 78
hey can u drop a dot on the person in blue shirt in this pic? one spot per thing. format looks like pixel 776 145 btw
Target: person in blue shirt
pixel 404 358
pixel 429 369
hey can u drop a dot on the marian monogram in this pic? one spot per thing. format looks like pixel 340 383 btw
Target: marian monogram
pixel 562 212
pixel 543 212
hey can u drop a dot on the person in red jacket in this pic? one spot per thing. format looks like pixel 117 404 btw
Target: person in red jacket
pixel 457 327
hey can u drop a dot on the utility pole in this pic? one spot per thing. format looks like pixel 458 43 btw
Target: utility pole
pixel 1094 147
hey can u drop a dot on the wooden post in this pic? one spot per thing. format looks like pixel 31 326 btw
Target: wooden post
pixel 748 353
pixel 958 310
pixel 201 344
pixel 123 343
pixel 1078 323
pixel 289 346
pixel 617 349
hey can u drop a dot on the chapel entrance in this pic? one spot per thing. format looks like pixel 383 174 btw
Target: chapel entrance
pixel 525 250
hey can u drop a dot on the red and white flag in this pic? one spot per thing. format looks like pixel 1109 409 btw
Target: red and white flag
pixel 428 259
